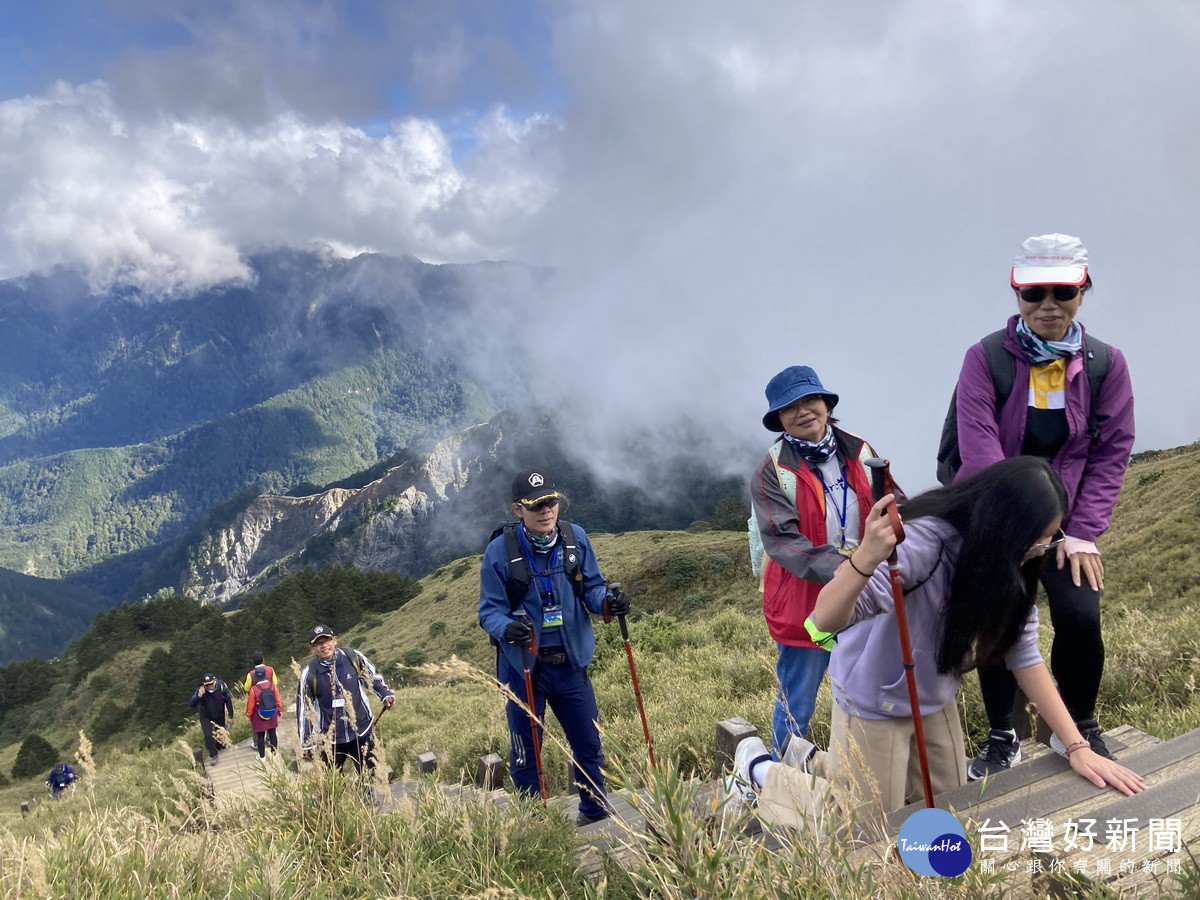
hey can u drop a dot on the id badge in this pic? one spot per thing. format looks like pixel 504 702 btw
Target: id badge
pixel 339 702
pixel 552 616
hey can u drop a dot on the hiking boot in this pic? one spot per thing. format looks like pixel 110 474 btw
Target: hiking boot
pixel 1000 752
pixel 581 819
pixel 212 760
pixel 799 752
pixel 1091 733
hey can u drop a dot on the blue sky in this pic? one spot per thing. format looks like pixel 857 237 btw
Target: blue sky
pixel 723 190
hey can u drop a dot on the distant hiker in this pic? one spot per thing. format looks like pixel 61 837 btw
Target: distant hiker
pixel 262 709
pixel 212 700
pixel 332 702
pixel 547 608
pixel 60 777
pixel 1043 387
pixel 255 661
pixel 970 564
pixel 806 496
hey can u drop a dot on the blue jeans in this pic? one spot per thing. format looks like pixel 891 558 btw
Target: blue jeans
pixel 569 692
pixel 800 670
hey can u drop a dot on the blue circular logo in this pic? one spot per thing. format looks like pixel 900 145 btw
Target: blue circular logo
pixel 933 842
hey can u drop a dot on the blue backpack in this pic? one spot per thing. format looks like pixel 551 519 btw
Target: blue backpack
pixel 266 705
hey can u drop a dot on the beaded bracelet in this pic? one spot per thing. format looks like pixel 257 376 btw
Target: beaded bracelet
pixel 850 559
pixel 1077 745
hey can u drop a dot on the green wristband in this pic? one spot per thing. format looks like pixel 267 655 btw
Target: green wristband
pixel 823 639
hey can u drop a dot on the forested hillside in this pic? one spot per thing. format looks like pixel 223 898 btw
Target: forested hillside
pixel 124 419
pixel 38 616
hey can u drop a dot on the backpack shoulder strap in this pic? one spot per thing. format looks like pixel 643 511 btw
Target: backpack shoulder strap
pixel 518 570
pixel 1097 357
pixel 356 660
pixel 786 477
pixel 571 566
pixel 1000 364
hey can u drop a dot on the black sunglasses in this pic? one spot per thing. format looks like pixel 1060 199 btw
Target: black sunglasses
pixel 1036 293
pixel 548 503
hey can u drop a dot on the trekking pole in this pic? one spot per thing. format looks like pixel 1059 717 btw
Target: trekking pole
pixel 378 716
pixel 526 652
pixel 881 481
pixel 637 688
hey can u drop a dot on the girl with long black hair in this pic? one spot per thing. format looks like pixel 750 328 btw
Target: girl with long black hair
pixel 970 563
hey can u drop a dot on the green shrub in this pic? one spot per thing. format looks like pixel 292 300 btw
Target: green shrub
pixel 719 562
pixel 36 757
pixel 415 657
pixel 682 569
pixel 693 603
pixel 437 628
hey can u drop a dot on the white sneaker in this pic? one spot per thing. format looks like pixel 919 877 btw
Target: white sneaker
pixel 738 789
pixel 736 795
pixel 799 752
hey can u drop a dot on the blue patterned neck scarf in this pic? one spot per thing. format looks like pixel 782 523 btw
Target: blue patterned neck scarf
pixel 818 451
pixel 542 543
pixel 1038 350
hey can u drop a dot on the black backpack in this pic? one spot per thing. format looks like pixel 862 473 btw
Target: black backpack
pixel 1097 357
pixel 518 568
pixel 266 705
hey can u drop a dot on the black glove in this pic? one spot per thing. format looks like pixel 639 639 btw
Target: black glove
pixel 518 632
pixel 618 602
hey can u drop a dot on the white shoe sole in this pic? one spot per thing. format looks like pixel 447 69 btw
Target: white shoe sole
pixel 974 775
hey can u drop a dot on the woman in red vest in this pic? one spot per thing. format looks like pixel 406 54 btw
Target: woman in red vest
pixel 806 496
pixel 262 709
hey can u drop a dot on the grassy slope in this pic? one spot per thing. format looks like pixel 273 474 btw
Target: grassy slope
pixel 705 654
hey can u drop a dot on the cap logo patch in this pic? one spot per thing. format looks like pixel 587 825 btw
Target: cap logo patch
pixel 536 480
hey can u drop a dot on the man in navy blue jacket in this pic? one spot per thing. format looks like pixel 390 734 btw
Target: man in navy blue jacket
pixel 332 701
pixel 552 616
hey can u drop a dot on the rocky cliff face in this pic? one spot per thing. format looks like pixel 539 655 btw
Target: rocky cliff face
pixel 387 524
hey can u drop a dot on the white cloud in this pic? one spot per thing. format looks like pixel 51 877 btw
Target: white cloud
pixel 170 206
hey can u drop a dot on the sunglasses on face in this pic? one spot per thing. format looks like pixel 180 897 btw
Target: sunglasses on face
pixel 1036 293
pixel 548 503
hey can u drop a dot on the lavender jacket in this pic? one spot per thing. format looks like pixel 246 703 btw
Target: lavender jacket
pixel 1092 471
pixel 867 666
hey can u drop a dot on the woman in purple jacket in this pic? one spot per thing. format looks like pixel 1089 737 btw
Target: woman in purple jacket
pixel 1048 414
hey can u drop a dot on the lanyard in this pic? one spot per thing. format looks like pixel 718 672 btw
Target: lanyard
pixel 546 578
pixel 845 501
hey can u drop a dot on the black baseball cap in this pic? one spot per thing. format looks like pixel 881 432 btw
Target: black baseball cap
pixel 210 678
pixel 532 486
pixel 318 632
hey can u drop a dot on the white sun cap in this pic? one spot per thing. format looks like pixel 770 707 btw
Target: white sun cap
pixel 1050 259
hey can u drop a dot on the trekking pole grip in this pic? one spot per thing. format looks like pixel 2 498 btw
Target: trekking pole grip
pixel 880 476
pixel 879 470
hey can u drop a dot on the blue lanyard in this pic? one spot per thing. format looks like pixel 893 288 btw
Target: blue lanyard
pixel 546 577
pixel 845 501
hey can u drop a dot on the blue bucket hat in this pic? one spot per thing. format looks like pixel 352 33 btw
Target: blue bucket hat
pixel 789 386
